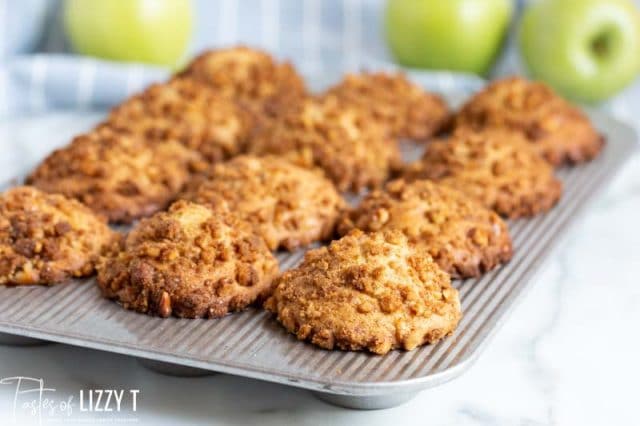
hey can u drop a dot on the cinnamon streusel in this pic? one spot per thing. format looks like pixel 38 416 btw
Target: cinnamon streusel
pixel 290 206
pixel 47 238
pixel 189 112
pixel 495 166
pixel 408 111
pixel 371 292
pixel 116 174
pixel 189 262
pixel 463 237
pixel 249 76
pixel 353 150
pixel 557 130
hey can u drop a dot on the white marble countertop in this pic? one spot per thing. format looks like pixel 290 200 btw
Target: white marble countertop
pixel 568 355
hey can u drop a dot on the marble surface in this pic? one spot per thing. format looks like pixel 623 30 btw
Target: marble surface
pixel 568 355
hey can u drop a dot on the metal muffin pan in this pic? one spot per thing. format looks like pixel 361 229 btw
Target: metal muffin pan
pixel 252 344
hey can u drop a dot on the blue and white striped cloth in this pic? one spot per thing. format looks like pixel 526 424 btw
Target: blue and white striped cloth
pixel 319 36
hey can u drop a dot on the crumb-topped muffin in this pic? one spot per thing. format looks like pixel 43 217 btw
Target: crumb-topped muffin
pixel 189 262
pixel 250 76
pixel 496 167
pixel 290 206
pixel 187 111
pixel 557 130
pixel 353 150
pixel 116 174
pixel 372 292
pixel 407 110
pixel 463 237
pixel 47 238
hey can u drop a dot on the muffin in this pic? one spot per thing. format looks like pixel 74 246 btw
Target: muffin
pixel 463 237
pixel 354 151
pixel 561 133
pixel 47 238
pixel 186 111
pixel 118 175
pixel 372 292
pixel 404 107
pixel 188 262
pixel 496 167
pixel 289 206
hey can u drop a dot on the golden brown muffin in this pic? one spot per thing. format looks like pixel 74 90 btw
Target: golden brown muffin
pixel 371 292
pixel 290 206
pixel 250 76
pixel 559 131
pixel 497 167
pixel 47 238
pixel 462 236
pixel 352 149
pixel 408 111
pixel 116 174
pixel 189 262
pixel 189 112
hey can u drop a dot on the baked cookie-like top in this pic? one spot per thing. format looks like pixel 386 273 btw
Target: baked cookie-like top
pixel 354 151
pixel 116 174
pixel 463 237
pixel 495 166
pixel 290 206
pixel 47 238
pixel 408 111
pixel 189 112
pixel 558 130
pixel 371 292
pixel 248 75
pixel 189 262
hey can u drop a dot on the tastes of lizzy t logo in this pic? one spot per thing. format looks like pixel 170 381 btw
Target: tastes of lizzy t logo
pixel 32 399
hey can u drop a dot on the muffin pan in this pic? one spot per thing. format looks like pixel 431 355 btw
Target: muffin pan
pixel 252 344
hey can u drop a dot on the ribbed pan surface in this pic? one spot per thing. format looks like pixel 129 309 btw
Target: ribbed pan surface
pixel 252 344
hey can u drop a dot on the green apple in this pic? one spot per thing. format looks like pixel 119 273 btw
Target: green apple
pixel 150 31
pixel 587 50
pixel 460 35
